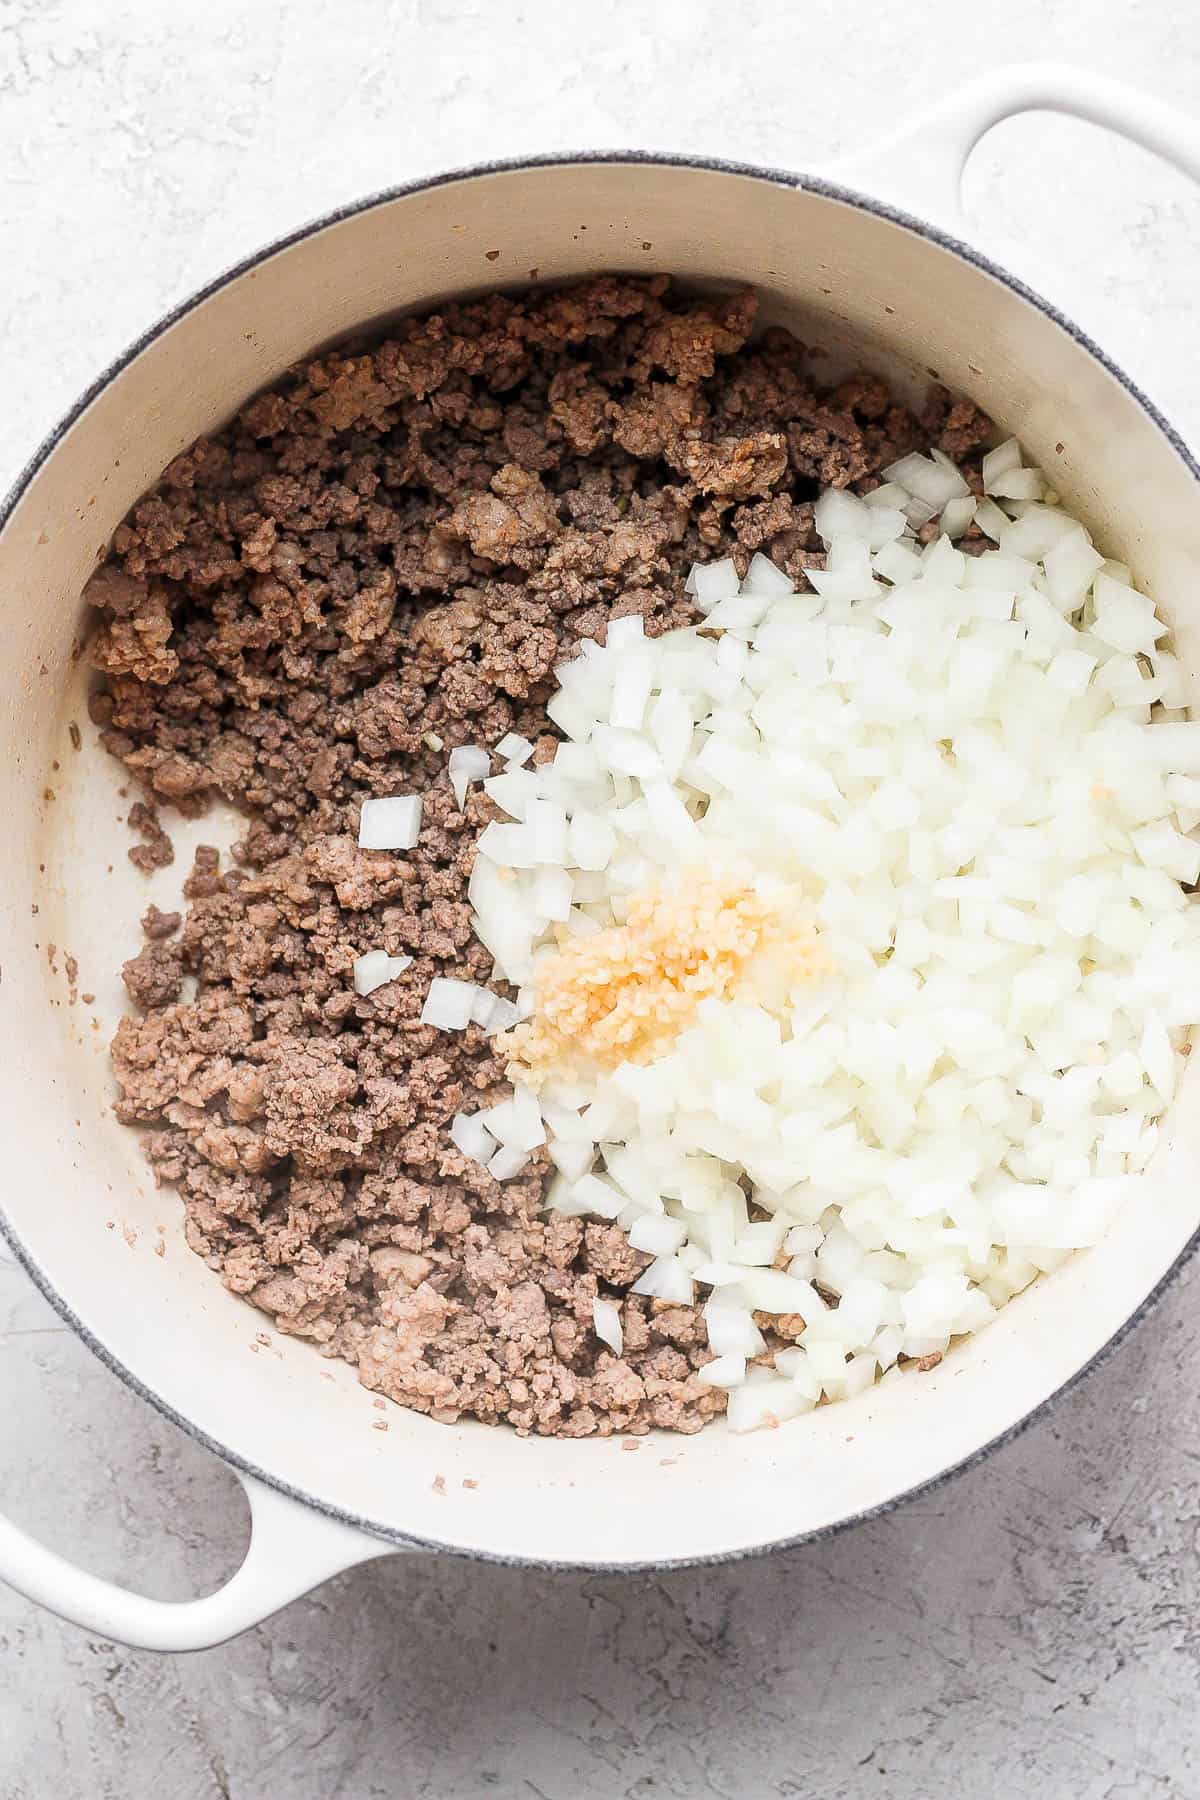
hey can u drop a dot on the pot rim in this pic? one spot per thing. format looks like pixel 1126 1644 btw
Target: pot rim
pixel 827 189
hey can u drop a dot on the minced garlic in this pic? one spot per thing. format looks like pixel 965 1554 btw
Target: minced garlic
pixel 622 994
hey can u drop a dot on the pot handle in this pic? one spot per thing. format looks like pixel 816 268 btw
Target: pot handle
pixel 292 1549
pixel 920 166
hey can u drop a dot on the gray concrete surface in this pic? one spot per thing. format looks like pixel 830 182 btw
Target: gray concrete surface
pixel 1035 1627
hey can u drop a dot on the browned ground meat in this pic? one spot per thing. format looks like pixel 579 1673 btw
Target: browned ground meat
pixel 383 557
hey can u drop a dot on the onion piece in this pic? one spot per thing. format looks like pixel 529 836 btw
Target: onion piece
pixel 1018 484
pixel 392 823
pixel 764 1404
pixel 514 750
pixel 376 968
pixel 572 1159
pixel 665 1279
pixel 657 1234
pixel 491 1012
pixel 467 763
pixel 448 1004
pixel 723 1371
pixel 928 479
pixel 713 581
pixel 471 1136
pixel 989 518
pixel 957 515
pixel 507 1162
pixel 606 1322
pixel 511 846
pixel 1000 461
pixel 731 1329
pixel 765 577
pixel 623 632
pixel 517 1122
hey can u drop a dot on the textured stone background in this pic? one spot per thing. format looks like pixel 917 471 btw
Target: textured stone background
pixel 1036 1624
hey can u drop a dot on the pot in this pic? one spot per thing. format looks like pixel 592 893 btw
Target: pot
pixel 80 1213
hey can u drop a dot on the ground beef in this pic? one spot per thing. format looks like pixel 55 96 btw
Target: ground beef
pixel 156 850
pixel 157 924
pixel 382 557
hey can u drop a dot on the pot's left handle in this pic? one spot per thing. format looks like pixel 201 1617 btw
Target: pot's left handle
pixel 920 166
pixel 292 1549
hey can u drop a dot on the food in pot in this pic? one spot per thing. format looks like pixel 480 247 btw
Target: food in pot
pixel 852 934
pixel 824 908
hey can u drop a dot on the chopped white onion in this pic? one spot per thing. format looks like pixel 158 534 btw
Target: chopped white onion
pixel 469 1134
pixel 507 1162
pixel 665 1279
pixel 376 968
pixel 714 581
pixel 731 1329
pixel 1018 484
pixel 516 1123
pixel 468 763
pixel 763 577
pixel 1000 461
pixel 957 515
pixel 969 773
pixel 933 479
pixel 511 846
pixel 622 633
pixel 723 1371
pixel 606 1321
pixel 448 1004
pixel 657 1234
pixel 491 1012
pixel 392 823
pixel 514 750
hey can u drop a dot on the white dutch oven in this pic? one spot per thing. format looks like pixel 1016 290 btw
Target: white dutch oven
pixel 326 1490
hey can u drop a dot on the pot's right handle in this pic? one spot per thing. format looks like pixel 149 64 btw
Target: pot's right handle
pixel 920 167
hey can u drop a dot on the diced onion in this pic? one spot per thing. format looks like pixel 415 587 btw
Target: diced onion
pixel 969 775
pixel 957 515
pixel 723 1371
pixel 514 750
pixel 507 1162
pixel 376 968
pixel 448 1004
pixel 467 763
pixel 469 1134
pixel 714 581
pixel 392 823
pixel 606 1321
pixel 657 1234
pixel 517 1123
